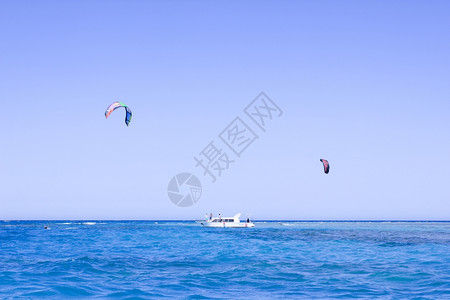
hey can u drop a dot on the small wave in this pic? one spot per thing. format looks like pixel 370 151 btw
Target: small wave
pixel 89 223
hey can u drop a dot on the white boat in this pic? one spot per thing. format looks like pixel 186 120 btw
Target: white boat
pixel 228 222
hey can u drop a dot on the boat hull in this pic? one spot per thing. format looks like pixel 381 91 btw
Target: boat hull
pixel 227 225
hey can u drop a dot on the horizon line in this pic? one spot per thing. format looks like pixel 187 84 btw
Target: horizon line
pixel 254 220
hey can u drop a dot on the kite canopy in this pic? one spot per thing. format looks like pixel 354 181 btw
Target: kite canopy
pixel 326 165
pixel 116 105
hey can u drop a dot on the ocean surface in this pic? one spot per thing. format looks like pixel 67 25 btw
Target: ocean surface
pixel 162 259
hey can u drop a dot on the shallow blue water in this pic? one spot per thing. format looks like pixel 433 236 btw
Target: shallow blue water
pixel 148 259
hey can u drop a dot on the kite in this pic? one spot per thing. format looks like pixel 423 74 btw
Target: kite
pixel 326 165
pixel 116 105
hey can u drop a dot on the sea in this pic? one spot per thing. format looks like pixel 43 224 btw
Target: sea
pixel 183 260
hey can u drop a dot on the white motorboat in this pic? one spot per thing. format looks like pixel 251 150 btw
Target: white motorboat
pixel 228 222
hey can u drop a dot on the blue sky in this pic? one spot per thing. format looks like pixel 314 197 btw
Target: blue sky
pixel 361 83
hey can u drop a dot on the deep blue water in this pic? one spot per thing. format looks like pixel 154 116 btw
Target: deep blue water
pixel 147 259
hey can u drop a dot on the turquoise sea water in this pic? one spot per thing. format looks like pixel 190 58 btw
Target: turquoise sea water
pixel 148 259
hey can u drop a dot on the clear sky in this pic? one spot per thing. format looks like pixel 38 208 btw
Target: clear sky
pixel 364 84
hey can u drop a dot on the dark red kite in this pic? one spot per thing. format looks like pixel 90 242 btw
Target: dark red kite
pixel 326 165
